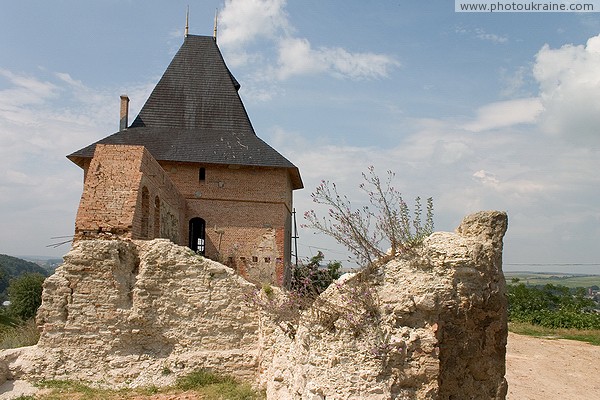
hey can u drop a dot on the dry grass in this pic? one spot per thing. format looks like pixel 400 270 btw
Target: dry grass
pixel 591 336
pixel 13 336
pixel 198 385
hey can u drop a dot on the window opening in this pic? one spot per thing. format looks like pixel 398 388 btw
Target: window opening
pixel 156 217
pixel 202 174
pixel 145 212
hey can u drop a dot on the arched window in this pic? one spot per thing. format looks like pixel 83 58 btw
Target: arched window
pixel 156 217
pixel 145 212
pixel 197 235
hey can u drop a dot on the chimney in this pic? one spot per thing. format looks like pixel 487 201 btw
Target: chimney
pixel 124 112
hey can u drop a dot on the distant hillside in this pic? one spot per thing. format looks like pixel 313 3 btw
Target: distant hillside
pixel 12 267
pixel 49 264
pixel 569 280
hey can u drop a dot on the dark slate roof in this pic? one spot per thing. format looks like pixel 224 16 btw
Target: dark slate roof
pixel 195 114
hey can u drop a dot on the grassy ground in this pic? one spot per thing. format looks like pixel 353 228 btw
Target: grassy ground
pixel 197 385
pixel 589 336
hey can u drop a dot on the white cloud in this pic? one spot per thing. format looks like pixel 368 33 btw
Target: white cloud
pixel 357 65
pixel 24 90
pixel 569 80
pixel 486 178
pixel 481 34
pixel 513 82
pixel 42 120
pixel 492 37
pixel 245 21
pixel 297 58
pixel 506 113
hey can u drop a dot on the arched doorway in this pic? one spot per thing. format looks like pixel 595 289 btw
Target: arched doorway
pixel 197 235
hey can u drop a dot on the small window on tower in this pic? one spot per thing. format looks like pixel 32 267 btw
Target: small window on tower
pixel 202 174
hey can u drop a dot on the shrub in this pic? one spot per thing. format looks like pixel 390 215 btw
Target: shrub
pixel 312 278
pixel 25 295
pixel 364 231
pixel 552 307
pixel 201 378
pixel 216 386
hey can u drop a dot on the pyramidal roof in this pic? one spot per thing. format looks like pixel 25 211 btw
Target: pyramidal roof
pixel 195 114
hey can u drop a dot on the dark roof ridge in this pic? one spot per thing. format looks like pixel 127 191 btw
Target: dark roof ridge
pixel 195 114
pixel 197 90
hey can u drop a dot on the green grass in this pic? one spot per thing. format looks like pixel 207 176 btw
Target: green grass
pixel 208 385
pixel 589 336
pixel 216 386
pixel 62 388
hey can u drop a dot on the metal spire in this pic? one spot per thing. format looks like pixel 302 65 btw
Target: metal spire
pixel 216 20
pixel 187 22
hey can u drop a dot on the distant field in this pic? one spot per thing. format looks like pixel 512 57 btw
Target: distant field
pixel 554 278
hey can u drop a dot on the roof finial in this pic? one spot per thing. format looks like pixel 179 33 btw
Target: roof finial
pixel 215 30
pixel 187 22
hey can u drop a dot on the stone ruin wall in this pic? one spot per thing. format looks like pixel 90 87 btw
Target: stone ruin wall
pixel 126 312
pixel 438 331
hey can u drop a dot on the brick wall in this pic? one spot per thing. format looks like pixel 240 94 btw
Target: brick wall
pixel 116 180
pixel 247 211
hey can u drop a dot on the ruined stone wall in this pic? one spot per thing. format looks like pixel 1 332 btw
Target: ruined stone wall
pixel 127 193
pixel 247 211
pixel 427 325
pixel 123 312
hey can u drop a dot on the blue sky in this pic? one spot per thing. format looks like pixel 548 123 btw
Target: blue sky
pixel 479 111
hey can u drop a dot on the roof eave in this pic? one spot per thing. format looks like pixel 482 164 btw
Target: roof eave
pixel 79 161
pixel 296 178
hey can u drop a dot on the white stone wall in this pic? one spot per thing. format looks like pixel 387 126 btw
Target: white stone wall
pixel 142 312
pixel 438 331
pixel 427 325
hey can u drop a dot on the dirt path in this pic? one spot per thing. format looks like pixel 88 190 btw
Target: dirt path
pixel 547 369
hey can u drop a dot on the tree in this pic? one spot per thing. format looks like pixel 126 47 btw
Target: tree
pixel 364 231
pixel 313 278
pixel 25 295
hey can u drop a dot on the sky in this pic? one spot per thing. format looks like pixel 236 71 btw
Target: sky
pixel 480 111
